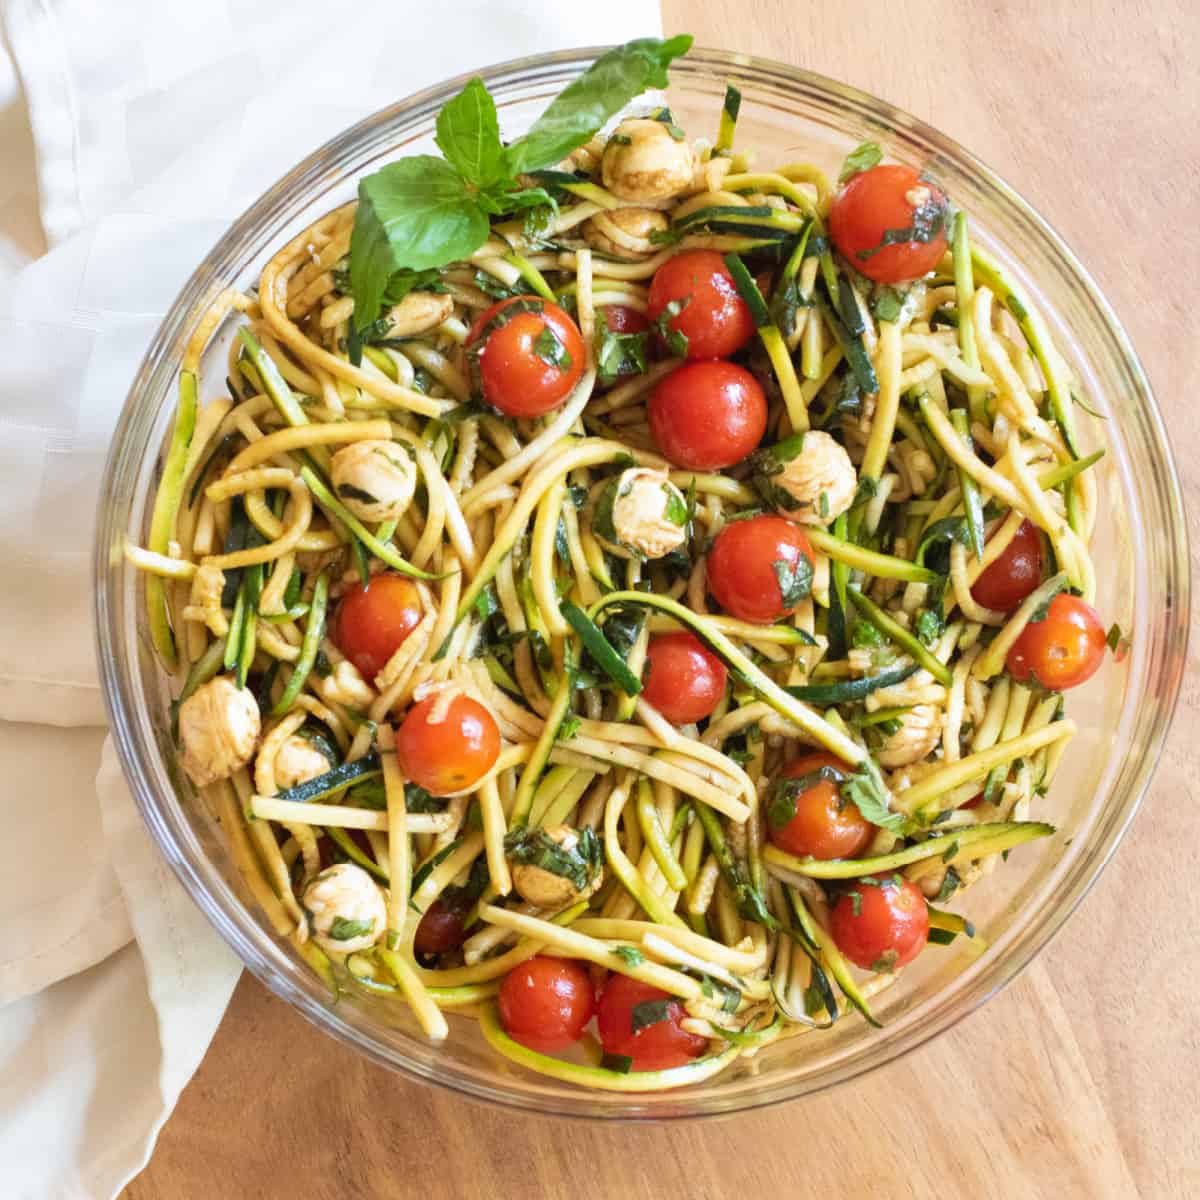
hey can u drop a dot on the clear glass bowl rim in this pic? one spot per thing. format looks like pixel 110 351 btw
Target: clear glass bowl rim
pixel 199 876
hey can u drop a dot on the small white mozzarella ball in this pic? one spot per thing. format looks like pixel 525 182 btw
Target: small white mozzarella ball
pixel 375 480
pixel 545 889
pixel 822 468
pixel 297 762
pixel 419 312
pixel 644 162
pixel 919 732
pixel 219 726
pixel 625 233
pixel 346 909
pixel 649 513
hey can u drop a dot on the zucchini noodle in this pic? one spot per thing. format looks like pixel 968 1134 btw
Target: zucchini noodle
pixel 320 461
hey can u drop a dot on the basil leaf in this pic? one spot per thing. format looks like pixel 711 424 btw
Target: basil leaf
pixel 862 158
pixel 342 930
pixel 677 510
pixel 647 1013
pixel 929 626
pixel 866 791
pixel 579 111
pixel 551 351
pixel 416 213
pixel 468 134
pixel 621 1063
pixel 795 579
pixel 631 956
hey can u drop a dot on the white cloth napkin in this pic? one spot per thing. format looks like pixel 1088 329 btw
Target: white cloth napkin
pixel 155 122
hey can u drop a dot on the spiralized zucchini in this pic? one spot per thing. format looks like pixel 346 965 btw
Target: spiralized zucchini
pixel 953 407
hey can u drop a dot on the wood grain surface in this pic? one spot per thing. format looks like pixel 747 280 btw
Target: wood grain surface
pixel 1082 1078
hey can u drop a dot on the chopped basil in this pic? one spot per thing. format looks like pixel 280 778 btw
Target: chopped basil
pixel 649 1012
pixel 886 962
pixel 855 902
pixel 950 851
pixel 342 930
pixel 795 579
pixel 865 789
pixel 619 354
pixel 676 510
pixel 862 158
pixel 929 626
pixel 676 341
pixel 568 729
pixel 888 304
pixel 631 956
pixel 550 349
pixel 928 221
pixel 783 794
pixel 620 139
pixel 535 848
pixel 348 491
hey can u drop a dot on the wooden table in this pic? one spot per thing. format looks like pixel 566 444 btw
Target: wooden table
pixel 1083 1078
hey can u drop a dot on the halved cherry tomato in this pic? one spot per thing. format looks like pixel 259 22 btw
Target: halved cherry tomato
pixel 751 561
pixel 683 679
pixel 880 205
pixel 880 924
pixel 620 318
pixel 450 754
pixel 371 622
pixel 1004 583
pixel 440 929
pixel 824 825
pixel 707 415
pixel 713 317
pixel 529 363
pixel 546 1002
pixel 1062 650
pixel 659 1043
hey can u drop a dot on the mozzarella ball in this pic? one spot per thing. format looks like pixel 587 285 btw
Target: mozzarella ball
pixel 545 889
pixel 821 469
pixel 419 312
pixel 644 162
pixel 625 233
pixel 375 480
pixel 297 762
pixel 648 514
pixel 919 732
pixel 218 730
pixel 346 909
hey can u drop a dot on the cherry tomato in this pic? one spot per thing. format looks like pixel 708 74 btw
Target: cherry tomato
pixel 451 754
pixel 1062 650
pixel 974 802
pixel 714 318
pixel 683 679
pixel 545 1002
pixel 620 318
pixel 1004 583
pixel 883 201
pixel 824 824
pixel 748 560
pixel 529 364
pixel 656 1046
pixel 440 929
pixel 881 924
pixel 707 415
pixel 371 622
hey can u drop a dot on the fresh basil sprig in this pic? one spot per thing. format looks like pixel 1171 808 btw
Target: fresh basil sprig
pixel 423 212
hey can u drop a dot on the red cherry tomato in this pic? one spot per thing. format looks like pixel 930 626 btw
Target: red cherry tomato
pixel 451 754
pixel 620 318
pixel 371 622
pixel 707 415
pixel 1004 583
pixel 683 679
pixel 824 824
pixel 714 318
pixel 974 802
pixel 880 202
pixel 879 924
pixel 545 1002
pixel 748 559
pixel 529 364
pixel 653 1047
pixel 1062 650
pixel 440 929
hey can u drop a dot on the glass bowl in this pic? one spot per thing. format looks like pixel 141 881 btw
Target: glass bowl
pixel 1123 715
